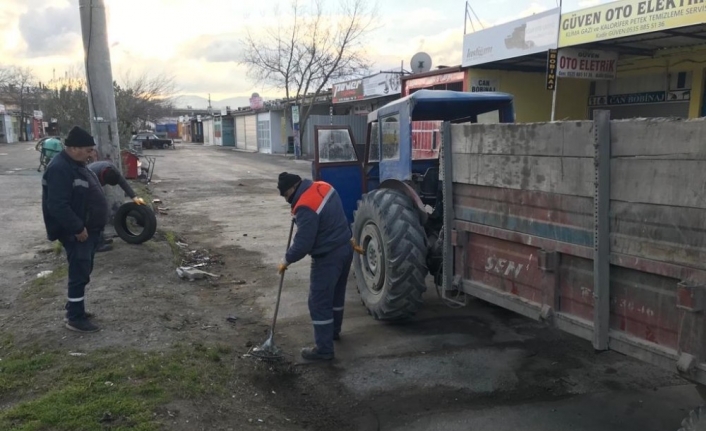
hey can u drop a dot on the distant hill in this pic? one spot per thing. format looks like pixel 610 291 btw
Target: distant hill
pixel 198 102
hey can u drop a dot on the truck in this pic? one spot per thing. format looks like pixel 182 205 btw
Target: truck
pixel 595 227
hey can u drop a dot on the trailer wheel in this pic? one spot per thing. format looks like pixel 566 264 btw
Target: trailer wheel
pixel 391 275
pixel 696 421
pixel 135 223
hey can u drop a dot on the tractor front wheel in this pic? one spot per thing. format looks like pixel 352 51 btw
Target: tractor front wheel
pixel 391 274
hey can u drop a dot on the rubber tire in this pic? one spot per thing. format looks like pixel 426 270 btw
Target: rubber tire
pixel 395 219
pixel 696 421
pixel 148 217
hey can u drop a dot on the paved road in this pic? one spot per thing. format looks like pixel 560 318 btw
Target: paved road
pixel 476 368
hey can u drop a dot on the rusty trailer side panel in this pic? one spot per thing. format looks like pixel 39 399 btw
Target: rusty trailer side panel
pixel 526 225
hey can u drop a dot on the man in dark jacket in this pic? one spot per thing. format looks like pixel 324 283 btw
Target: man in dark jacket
pixel 75 212
pixel 108 174
pixel 323 233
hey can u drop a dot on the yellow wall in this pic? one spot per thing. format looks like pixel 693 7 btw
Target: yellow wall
pixel 533 102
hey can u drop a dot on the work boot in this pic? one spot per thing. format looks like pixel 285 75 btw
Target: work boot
pixel 107 240
pixel 104 247
pixel 81 325
pixel 312 354
pixel 87 315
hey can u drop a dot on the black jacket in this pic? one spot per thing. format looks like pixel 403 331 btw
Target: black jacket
pixel 64 190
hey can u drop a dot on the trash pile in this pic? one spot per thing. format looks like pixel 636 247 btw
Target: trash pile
pixel 195 262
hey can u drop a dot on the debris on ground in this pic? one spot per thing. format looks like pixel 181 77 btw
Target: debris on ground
pixel 240 282
pixel 156 201
pixel 231 319
pixel 200 258
pixel 193 274
pixel 45 273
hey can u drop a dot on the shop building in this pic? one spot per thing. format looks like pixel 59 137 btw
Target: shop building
pixel 630 57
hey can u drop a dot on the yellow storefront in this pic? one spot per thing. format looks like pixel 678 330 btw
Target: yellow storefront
pixel 659 67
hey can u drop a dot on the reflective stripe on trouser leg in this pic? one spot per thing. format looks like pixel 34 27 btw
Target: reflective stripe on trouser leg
pixel 345 254
pixel 324 276
pixel 80 258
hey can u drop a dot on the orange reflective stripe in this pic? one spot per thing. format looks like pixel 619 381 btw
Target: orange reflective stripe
pixel 315 197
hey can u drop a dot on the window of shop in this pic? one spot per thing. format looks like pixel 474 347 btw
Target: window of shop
pixel 650 95
pixel 451 86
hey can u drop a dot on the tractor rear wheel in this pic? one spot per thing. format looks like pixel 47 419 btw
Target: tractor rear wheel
pixel 391 274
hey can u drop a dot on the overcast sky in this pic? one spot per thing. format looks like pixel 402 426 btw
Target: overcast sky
pixel 197 40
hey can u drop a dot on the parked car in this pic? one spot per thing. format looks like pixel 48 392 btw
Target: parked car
pixel 148 141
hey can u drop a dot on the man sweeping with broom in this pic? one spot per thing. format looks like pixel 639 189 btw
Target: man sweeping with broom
pixel 323 233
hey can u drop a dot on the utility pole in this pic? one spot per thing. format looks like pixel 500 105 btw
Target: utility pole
pixel 101 95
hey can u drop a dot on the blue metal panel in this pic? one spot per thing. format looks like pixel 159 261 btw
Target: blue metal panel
pixel 567 234
pixel 348 182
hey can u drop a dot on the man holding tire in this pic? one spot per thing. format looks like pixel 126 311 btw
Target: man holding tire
pixel 323 233
pixel 108 174
pixel 75 212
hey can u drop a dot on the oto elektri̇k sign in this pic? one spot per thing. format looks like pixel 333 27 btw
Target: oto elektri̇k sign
pixel 587 64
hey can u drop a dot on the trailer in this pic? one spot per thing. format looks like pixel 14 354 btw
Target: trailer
pixel 597 228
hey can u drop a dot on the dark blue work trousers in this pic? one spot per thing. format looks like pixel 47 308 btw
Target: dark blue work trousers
pixel 80 256
pixel 327 294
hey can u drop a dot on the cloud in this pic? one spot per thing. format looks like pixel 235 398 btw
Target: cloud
pixel 50 31
pixel 218 48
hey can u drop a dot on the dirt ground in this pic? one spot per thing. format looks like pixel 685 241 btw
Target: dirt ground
pixel 479 367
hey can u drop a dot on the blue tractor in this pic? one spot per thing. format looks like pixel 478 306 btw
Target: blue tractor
pixel 392 194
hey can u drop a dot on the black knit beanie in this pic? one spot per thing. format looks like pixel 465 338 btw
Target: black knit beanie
pixel 287 181
pixel 79 138
pixel 111 176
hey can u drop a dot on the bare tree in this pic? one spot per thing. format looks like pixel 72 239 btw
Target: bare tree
pixel 5 73
pixel 308 50
pixel 66 100
pixel 20 89
pixel 141 99
pixel 138 100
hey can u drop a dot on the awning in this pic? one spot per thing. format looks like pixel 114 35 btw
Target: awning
pixel 642 45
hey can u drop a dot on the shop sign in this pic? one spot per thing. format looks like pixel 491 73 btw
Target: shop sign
pixel 430 81
pixel 295 114
pixel 483 84
pixel 587 64
pixel 551 69
pixel 530 35
pixel 628 18
pixel 628 99
pixel 382 84
pixel 348 91
pixel 679 95
pixel 38 115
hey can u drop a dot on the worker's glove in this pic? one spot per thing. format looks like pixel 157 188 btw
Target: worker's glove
pixel 358 249
pixel 139 201
pixel 282 267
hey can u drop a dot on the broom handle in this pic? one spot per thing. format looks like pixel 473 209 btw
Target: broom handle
pixel 281 282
